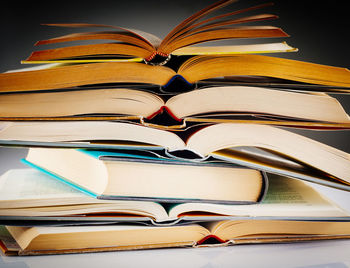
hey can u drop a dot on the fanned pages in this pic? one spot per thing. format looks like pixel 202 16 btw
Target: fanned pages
pixel 137 45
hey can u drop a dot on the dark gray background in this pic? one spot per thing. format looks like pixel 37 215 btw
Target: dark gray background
pixel 318 28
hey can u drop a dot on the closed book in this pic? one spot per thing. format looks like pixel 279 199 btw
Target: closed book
pixel 108 175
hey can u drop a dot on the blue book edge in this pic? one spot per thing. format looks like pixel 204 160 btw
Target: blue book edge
pixel 175 77
pixel 87 192
pixel 97 154
pixel 65 181
pixel 137 156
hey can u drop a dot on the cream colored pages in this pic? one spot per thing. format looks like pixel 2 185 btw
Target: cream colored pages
pixel 27 187
pixel 305 150
pixel 119 208
pixel 257 100
pixel 227 230
pixel 87 131
pixel 80 102
pixel 136 103
pixel 286 197
pixel 84 237
pixel 28 192
pixel 178 181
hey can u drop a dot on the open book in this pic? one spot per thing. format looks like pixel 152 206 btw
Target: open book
pixel 79 239
pixel 280 152
pixel 30 197
pixel 212 104
pixel 193 70
pixel 231 64
pixel 136 45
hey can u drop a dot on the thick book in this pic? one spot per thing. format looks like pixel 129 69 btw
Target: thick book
pixel 194 70
pixel 29 197
pixel 207 105
pixel 136 45
pixel 148 178
pixel 80 239
pixel 274 150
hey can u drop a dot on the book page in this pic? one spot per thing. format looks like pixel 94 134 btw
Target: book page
pixel 235 49
pixel 94 131
pixel 257 100
pixel 283 191
pixel 84 237
pixel 32 184
pixel 206 67
pixel 119 102
pixel 315 154
pixel 28 192
pixel 286 197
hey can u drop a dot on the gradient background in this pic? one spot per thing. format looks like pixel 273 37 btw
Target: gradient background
pixel 320 31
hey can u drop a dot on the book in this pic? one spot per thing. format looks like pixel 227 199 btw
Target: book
pixel 142 179
pixel 280 151
pixel 212 104
pixel 136 45
pixel 30 197
pixel 231 64
pixel 193 70
pixel 78 239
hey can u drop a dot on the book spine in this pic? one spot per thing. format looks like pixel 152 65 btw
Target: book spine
pixel 210 239
pixel 177 84
pixel 157 54
pixel 164 109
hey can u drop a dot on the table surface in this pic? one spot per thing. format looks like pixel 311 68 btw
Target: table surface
pixel 330 254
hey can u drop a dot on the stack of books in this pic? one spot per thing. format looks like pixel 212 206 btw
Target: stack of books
pixel 144 143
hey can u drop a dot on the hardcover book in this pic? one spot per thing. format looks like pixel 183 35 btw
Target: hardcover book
pixel 207 105
pixel 29 197
pixel 126 177
pixel 193 70
pixel 83 239
pixel 274 150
